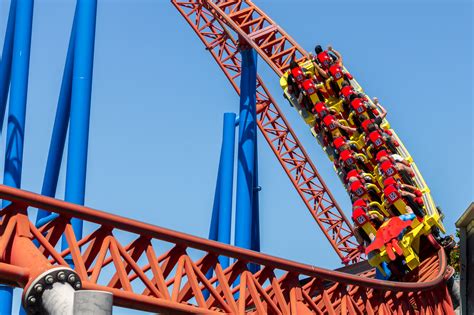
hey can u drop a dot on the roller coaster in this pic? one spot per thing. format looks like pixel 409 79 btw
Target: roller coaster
pixel 395 224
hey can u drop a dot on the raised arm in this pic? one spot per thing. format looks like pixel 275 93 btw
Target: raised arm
pixel 383 113
pixel 320 70
pixel 338 55
pixel 410 187
pixel 348 129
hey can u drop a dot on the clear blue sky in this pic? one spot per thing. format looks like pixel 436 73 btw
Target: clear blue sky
pixel 158 100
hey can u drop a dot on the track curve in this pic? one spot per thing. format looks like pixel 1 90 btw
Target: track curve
pixel 134 261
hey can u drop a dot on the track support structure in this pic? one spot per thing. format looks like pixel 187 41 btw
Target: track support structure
pixel 244 225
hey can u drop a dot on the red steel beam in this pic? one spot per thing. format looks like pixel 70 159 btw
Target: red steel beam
pixel 161 270
pixel 215 25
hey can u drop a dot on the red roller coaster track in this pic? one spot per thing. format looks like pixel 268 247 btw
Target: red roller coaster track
pixel 159 270
pixel 213 22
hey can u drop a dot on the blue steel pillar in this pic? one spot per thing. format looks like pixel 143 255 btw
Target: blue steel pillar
pixel 246 151
pixel 221 220
pixel 255 225
pixel 222 210
pixel 213 229
pixel 80 107
pixel 6 63
pixel 58 137
pixel 226 183
pixel 16 113
pixel 255 206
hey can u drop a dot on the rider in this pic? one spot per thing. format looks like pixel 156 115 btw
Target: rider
pixel 320 111
pixel 334 128
pixel 358 189
pixel 357 175
pixel 326 58
pixel 372 129
pixel 400 164
pixel 349 159
pixel 312 92
pixel 363 110
pixel 411 194
pixel 295 78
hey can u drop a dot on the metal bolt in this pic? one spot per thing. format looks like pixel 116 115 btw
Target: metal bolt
pixel 61 276
pixel 49 279
pixel 71 278
pixel 77 286
pixel 32 300
pixel 38 288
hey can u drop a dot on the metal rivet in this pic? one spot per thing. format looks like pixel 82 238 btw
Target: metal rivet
pixel 61 276
pixel 77 286
pixel 71 278
pixel 38 288
pixel 32 300
pixel 49 279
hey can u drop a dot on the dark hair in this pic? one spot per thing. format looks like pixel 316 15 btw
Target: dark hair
pixel 371 127
pixel 318 49
pixel 293 64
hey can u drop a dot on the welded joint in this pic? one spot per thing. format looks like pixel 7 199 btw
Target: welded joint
pixel 32 297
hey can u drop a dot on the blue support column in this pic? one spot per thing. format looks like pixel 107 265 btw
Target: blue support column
pixel 213 229
pixel 221 220
pixel 226 183
pixel 6 63
pixel 246 151
pixel 80 107
pixel 17 112
pixel 255 206
pixel 61 121
pixel 255 237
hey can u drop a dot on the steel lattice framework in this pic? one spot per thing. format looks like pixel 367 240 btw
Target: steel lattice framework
pixel 154 269
pixel 218 24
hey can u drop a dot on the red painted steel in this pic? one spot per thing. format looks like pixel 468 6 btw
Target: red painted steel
pixel 158 270
pixel 218 23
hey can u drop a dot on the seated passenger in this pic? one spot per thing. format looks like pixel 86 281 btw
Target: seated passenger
pixel 358 175
pixel 360 190
pixel 312 91
pixel 341 143
pixel 378 138
pixel 372 124
pixel 366 223
pixel 318 71
pixel 349 160
pixel 410 195
pixel 305 102
pixel 334 128
pixel 295 78
pixel 387 161
pixel 320 111
pixel 339 76
pixel 361 110
pixel 393 157
pixel 325 59
pixel 348 93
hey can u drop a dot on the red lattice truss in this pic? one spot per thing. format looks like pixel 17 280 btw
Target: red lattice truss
pixel 218 23
pixel 159 270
